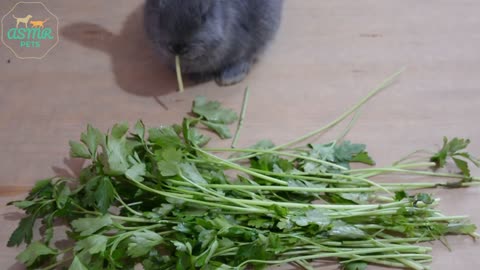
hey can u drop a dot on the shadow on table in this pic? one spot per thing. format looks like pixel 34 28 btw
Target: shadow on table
pixel 17 266
pixel 72 169
pixel 13 216
pixel 136 67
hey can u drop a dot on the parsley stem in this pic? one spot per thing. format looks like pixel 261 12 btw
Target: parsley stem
pixel 378 171
pixel 352 110
pixel 201 187
pixel 52 266
pixel 305 177
pixel 349 126
pixel 175 196
pixel 179 74
pixel 294 176
pixel 132 219
pixel 119 198
pixel 394 256
pixel 289 188
pixel 386 256
pixel 242 117
pixel 281 153
pixel 85 210
pixel 335 254
pixel 128 219
pixel 398 240
pixel 358 178
pixel 321 206
pixel 415 165
pixel 154 226
pixel 266 203
pixel 242 169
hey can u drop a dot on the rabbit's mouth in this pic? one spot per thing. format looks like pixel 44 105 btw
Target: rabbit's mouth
pixel 191 57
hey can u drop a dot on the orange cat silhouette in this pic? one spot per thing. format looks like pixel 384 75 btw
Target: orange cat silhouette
pixel 38 24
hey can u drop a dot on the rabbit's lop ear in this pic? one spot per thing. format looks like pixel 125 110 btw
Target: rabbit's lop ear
pixel 88 35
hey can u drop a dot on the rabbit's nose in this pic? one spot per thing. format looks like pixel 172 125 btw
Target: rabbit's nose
pixel 178 48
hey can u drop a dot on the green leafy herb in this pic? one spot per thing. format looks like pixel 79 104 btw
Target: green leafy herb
pixel 153 196
pixel 24 231
pixel 79 150
pixel 355 266
pixel 93 244
pixel 88 226
pixel 34 252
pixel 212 111
pixel 142 242
pixel 77 265
pixel 214 116
pixel 169 160
pixel 452 149
pixel 104 195
pixel 400 195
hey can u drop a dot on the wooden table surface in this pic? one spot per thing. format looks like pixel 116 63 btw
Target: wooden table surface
pixel 327 56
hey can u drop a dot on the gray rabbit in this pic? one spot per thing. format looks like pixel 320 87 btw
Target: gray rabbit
pixel 215 39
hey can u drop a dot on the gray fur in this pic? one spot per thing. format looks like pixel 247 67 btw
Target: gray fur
pixel 223 37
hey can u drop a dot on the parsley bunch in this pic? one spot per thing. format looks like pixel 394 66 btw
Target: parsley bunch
pixel 159 198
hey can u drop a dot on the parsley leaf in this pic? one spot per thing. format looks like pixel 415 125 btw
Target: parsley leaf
pixel 314 216
pixel 363 157
pixel 48 221
pixel 41 188
pixel 263 145
pixel 92 138
pixel 345 151
pixel 93 244
pixel 343 231
pixel 63 195
pixel 77 264
pixel 205 258
pixel 22 204
pixel 137 170
pixel 88 226
pixel 214 116
pixel 197 138
pixel 164 137
pixel 355 266
pixel 462 165
pixel 116 151
pixel 356 198
pixel 422 197
pixel 142 242
pixel 119 130
pixel 341 154
pixel 213 111
pixel 168 161
pixel 191 173
pixel 451 150
pixel 104 195
pixel 78 150
pixel 222 130
pixel 34 252
pixel 24 231
pixel 185 247
pixel 400 195
pixel 461 228
pixel 139 130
